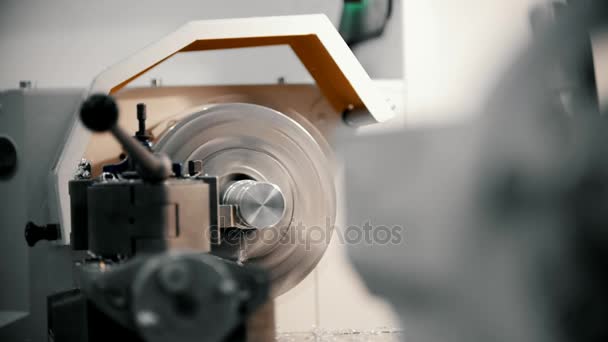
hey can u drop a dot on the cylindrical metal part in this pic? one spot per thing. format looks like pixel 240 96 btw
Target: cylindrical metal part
pixel 259 204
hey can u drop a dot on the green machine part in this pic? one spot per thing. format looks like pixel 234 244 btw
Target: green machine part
pixel 364 19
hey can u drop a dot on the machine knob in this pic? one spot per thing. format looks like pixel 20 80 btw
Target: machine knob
pixel 259 204
pixel 34 233
pixel 8 158
pixel 99 113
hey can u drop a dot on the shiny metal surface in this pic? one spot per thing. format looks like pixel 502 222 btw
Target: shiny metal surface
pixel 239 142
pixel 259 204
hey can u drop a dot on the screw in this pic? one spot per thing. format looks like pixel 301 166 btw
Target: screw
pixel 195 167
pixel 156 82
pixel 25 84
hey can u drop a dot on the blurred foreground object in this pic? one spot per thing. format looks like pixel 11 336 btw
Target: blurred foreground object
pixel 505 221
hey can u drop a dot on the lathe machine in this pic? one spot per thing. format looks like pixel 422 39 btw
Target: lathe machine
pixel 173 213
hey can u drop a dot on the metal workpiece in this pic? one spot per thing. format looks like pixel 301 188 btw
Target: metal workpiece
pixel 258 204
pixel 255 152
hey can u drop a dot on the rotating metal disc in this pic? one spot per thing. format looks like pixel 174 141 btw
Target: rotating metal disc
pixel 237 142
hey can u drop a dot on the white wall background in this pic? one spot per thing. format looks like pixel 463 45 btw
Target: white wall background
pixel 455 50
pixel 66 43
